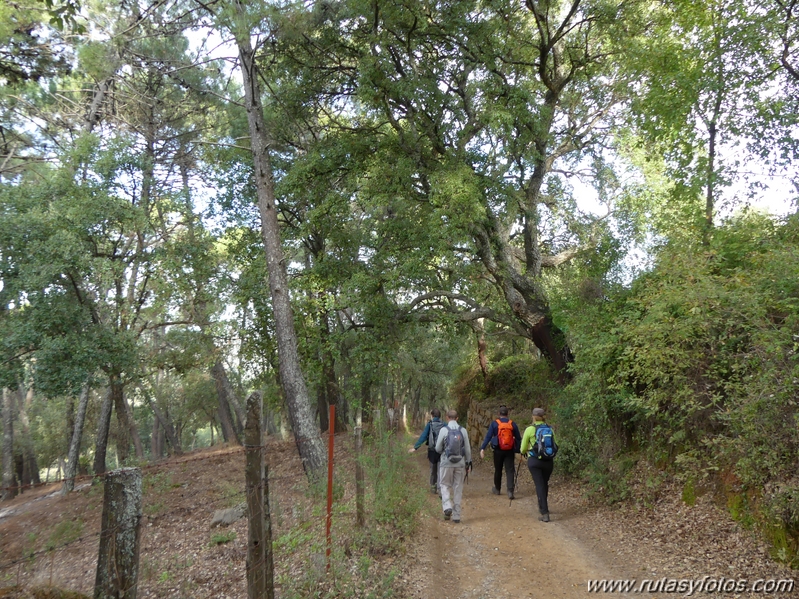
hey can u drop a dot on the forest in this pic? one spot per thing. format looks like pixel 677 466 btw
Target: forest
pixel 393 205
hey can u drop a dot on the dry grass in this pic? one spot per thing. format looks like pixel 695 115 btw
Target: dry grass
pixel 177 555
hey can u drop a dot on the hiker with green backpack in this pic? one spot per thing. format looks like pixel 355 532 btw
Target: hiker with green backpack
pixel 456 461
pixel 538 444
pixel 430 436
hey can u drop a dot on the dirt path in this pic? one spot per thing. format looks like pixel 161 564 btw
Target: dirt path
pixel 501 550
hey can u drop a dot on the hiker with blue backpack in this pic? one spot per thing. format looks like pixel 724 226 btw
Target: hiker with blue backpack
pixel 430 436
pixel 538 443
pixel 504 436
pixel 456 461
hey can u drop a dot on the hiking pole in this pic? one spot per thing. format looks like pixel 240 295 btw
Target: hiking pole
pixel 516 479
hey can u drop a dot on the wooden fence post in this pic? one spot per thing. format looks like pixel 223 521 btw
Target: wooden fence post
pixel 260 571
pixel 359 482
pixel 118 561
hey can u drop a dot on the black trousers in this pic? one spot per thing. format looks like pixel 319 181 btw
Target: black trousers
pixel 541 471
pixel 504 459
pixel 434 458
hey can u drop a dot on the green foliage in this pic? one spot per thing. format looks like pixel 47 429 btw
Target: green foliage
pixel 741 509
pixel 689 493
pixel 157 484
pixel 695 369
pixel 65 532
pixel 220 538
pixel 520 382
pixel 395 500
pixel 781 513
pixel 295 538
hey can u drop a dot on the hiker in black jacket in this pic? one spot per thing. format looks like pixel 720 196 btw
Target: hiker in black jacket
pixel 430 436
pixel 505 439
pixel 540 466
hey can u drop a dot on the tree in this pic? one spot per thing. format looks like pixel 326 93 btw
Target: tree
pixel 712 102
pixel 482 123
pixel 306 434
pixel 9 487
pixel 788 31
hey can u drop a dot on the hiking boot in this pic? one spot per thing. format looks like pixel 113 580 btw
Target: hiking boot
pixel 456 521
pixel 544 518
pixel 447 514
pixel 494 490
pixel 510 494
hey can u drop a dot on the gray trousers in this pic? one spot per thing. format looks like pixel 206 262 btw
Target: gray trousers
pixel 451 480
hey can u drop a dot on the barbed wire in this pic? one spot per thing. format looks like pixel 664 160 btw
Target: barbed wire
pixel 28 556
pixel 229 451
pixel 182 510
pixel 221 452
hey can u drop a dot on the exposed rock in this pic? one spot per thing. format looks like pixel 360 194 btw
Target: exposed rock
pixel 229 516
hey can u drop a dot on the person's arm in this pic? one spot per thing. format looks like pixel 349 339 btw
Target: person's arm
pixel 517 438
pixel 527 440
pixel 493 431
pixel 490 433
pixel 423 437
pixel 468 456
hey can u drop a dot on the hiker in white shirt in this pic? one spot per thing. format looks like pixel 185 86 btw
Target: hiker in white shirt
pixel 456 461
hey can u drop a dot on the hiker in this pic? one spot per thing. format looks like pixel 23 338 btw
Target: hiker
pixel 430 436
pixel 456 461
pixel 505 439
pixel 540 449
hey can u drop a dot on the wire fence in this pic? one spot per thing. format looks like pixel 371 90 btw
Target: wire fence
pixel 71 563
pixel 185 458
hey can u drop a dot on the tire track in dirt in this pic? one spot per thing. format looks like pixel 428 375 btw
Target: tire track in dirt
pixel 501 550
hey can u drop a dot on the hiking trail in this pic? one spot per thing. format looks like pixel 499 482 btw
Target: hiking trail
pixel 501 550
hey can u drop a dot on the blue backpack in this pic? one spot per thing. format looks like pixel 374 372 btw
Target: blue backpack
pixel 545 447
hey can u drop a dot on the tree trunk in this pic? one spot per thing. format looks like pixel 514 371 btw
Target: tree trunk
pixel 366 395
pixel 359 475
pixel 321 409
pixel 9 488
pixel 166 429
pixel 127 426
pixel 237 411
pixel 123 428
pixel 155 449
pixel 271 422
pixel 70 423
pixel 223 392
pixel 552 342
pixel 306 434
pixel 332 391
pixel 482 357
pixel 74 447
pixel 30 470
pixel 103 426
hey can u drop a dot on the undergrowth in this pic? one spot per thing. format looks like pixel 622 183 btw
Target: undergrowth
pixel 361 558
